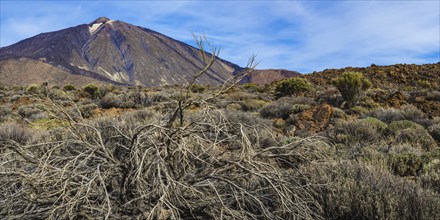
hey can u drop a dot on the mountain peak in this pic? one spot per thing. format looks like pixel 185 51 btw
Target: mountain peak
pixel 100 20
pixel 112 52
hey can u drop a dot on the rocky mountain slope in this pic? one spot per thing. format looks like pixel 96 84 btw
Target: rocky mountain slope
pixel 387 76
pixel 112 51
pixel 395 85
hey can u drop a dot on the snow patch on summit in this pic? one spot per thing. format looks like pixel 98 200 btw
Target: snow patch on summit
pixel 95 27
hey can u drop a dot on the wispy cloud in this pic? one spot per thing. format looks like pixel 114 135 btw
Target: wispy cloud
pixel 297 35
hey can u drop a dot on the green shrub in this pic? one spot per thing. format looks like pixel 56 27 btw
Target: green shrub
pixel 418 137
pixel 352 86
pixel 33 89
pixel 431 175
pixel 378 124
pixel 56 94
pixel 396 126
pixel 359 131
pixel 410 132
pixel 406 164
pixel 368 103
pixel 359 110
pixel 292 86
pixel 69 87
pixel 339 114
pixel 425 84
pixel 252 104
pixel 92 90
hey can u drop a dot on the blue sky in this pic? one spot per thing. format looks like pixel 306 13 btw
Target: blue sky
pixel 305 36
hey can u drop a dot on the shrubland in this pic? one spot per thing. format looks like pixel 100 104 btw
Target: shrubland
pixel 226 152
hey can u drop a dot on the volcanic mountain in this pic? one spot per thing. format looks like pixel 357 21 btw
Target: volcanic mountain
pixel 106 51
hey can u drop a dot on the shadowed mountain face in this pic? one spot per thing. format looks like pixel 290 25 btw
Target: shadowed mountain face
pixel 111 51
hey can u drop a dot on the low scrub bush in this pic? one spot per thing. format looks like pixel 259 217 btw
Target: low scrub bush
pixel 418 137
pixel 233 107
pixel 396 126
pixel 92 90
pixel 355 191
pixel 5 112
pixel 110 100
pixel 434 131
pixel 329 95
pixel 433 96
pixel 33 89
pixel 359 131
pixel 387 115
pixel 14 132
pixel 276 110
pixel 293 86
pixel 252 105
pixel 86 110
pixel 31 112
pixel 368 103
pixel 297 108
pixel 69 87
pixel 252 87
pixel 138 97
pixel 406 164
pixel 57 94
pixel 431 176
pixel 412 113
pixel 359 110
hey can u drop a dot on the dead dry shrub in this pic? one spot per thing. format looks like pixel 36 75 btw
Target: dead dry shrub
pixel 119 168
pixel 170 166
